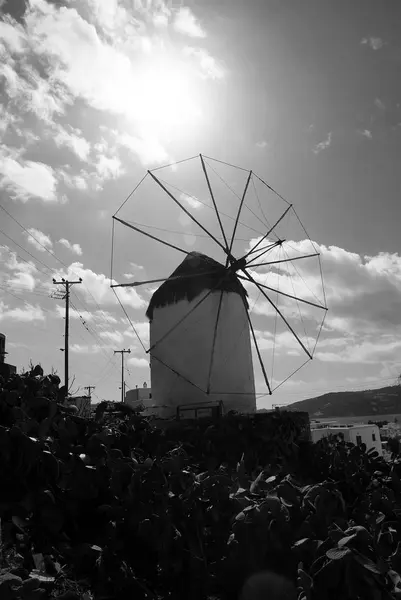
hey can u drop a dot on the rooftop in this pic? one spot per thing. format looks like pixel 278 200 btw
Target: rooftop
pixel 210 274
pixel 344 426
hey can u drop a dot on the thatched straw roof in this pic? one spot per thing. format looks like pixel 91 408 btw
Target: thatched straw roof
pixel 189 287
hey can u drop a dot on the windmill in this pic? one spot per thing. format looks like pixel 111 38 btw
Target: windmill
pixel 241 243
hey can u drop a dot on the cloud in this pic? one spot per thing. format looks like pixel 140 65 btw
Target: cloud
pixel 379 104
pixel 85 349
pixel 22 279
pixel 365 133
pixel 192 201
pixel 113 336
pixel 27 179
pixel 363 294
pixel 135 268
pixel 75 248
pixel 262 145
pixel 79 182
pixel 111 61
pixel 23 273
pixel 210 67
pixel 149 150
pixel 109 15
pixel 108 168
pixel 73 140
pixel 96 288
pixel 185 22
pixel 98 317
pixel 369 351
pixel 109 74
pixel 142 328
pixel 24 315
pixel 323 145
pixel 104 168
pixel 38 239
pixel 375 43
pixel 89 68
pixel 28 92
pixel 12 36
pixel 140 363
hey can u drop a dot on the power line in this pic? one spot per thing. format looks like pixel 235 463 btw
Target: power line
pixel 48 251
pixel 9 284
pixel 98 341
pixel 196 235
pixel 52 254
pixel 27 251
pixel 21 299
pixel 106 369
pixel 93 334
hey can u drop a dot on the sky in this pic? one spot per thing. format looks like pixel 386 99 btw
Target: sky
pixel 94 94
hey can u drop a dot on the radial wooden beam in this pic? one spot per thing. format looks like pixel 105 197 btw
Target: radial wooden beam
pixel 258 352
pixel 266 287
pixel 213 200
pixel 269 232
pixel 162 279
pixel 216 326
pixel 225 250
pixel 275 262
pixel 260 288
pixel 176 373
pixel 264 250
pixel 238 216
pixel 149 235
pixel 213 289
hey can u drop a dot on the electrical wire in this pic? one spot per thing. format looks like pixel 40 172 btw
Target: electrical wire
pixel 42 263
pixel 197 235
pixel 22 300
pixel 27 251
pixel 210 207
pixel 53 255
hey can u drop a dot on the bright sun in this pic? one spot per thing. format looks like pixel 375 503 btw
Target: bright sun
pixel 168 95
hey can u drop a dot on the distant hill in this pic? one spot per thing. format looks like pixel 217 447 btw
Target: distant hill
pixel 384 401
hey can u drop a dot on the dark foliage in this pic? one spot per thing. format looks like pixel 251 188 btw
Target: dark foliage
pixel 111 508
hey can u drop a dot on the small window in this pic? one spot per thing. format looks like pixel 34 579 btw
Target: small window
pixel 150 395
pixel 358 440
pixel 374 437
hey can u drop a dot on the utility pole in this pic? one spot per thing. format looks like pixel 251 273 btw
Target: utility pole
pixel 122 352
pixel 67 284
pixel 89 388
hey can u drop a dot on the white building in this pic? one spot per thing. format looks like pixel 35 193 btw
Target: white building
pixel 181 361
pixel 355 434
pixel 140 396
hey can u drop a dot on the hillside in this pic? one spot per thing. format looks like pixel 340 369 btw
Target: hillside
pixel 384 401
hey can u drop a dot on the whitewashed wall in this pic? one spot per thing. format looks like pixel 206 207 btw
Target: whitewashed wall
pixel 188 349
pixel 367 432
pixel 143 397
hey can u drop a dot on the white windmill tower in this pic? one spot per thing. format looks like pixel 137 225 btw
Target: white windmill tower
pixel 200 314
pixel 205 339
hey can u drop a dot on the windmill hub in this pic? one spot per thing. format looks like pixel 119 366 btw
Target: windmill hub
pixel 238 265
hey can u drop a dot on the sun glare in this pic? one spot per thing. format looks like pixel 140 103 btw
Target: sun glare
pixel 168 98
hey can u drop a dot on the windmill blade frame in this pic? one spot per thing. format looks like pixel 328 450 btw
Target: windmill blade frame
pixel 234 267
